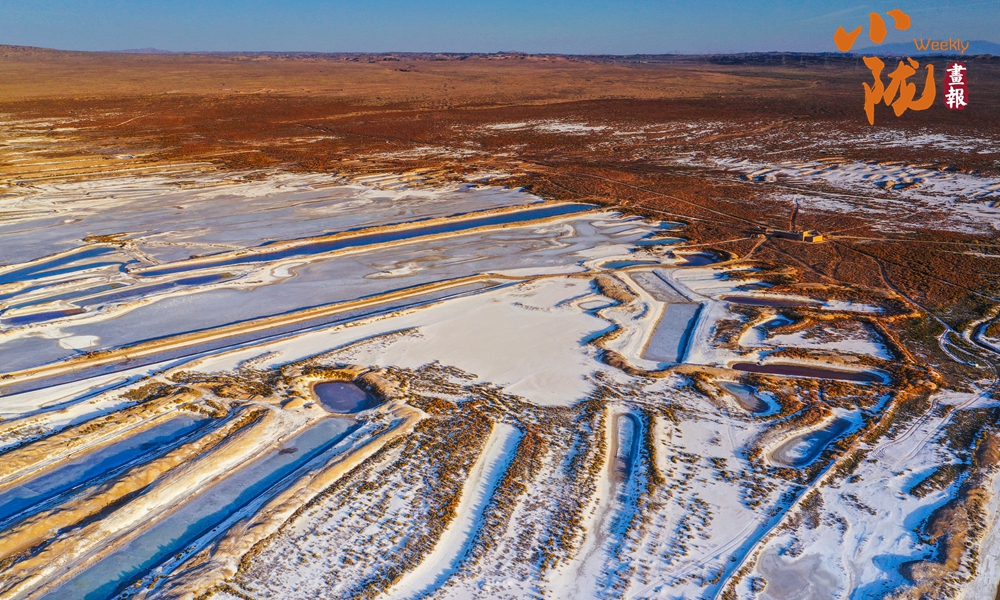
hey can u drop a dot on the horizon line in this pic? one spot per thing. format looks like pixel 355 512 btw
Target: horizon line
pixel 158 51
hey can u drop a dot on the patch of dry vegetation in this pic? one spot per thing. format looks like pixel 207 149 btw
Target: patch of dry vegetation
pixel 613 288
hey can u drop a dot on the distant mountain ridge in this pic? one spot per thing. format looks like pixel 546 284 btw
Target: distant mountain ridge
pixel 909 49
pixel 144 51
pixel 976 47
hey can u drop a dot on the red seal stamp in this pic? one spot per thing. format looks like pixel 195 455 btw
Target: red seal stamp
pixel 956 90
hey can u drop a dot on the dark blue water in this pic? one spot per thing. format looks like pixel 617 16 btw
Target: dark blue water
pixel 71 295
pixel 623 264
pixel 790 370
pixel 342 397
pixel 201 514
pixel 150 289
pixel 384 237
pixel 699 260
pixel 103 462
pixel 660 241
pixel 44 269
pixel 42 316
pixel 73 269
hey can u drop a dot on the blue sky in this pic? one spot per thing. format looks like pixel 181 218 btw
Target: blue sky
pixel 562 26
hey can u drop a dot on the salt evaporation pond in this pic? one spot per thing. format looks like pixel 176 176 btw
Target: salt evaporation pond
pixel 790 370
pixel 664 241
pixel 625 454
pixel 47 268
pixel 385 237
pixel 788 578
pixel 517 247
pixel 342 397
pixel 41 317
pixel 746 398
pixel 201 513
pixel 803 449
pixel 699 259
pixel 104 462
pixel 669 341
pixel 134 292
pixel 657 283
pixel 624 264
pixel 67 296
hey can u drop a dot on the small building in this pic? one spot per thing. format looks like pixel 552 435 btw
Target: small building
pixel 810 235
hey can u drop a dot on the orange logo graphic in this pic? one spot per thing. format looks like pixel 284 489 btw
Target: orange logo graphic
pixel 900 93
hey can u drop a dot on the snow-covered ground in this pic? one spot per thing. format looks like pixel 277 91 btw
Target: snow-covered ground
pixel 526 337
pixel 952 200
pixel 862 530
pixel 563 127
pixel 443 561
pixel 169 218
pixel 838 338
